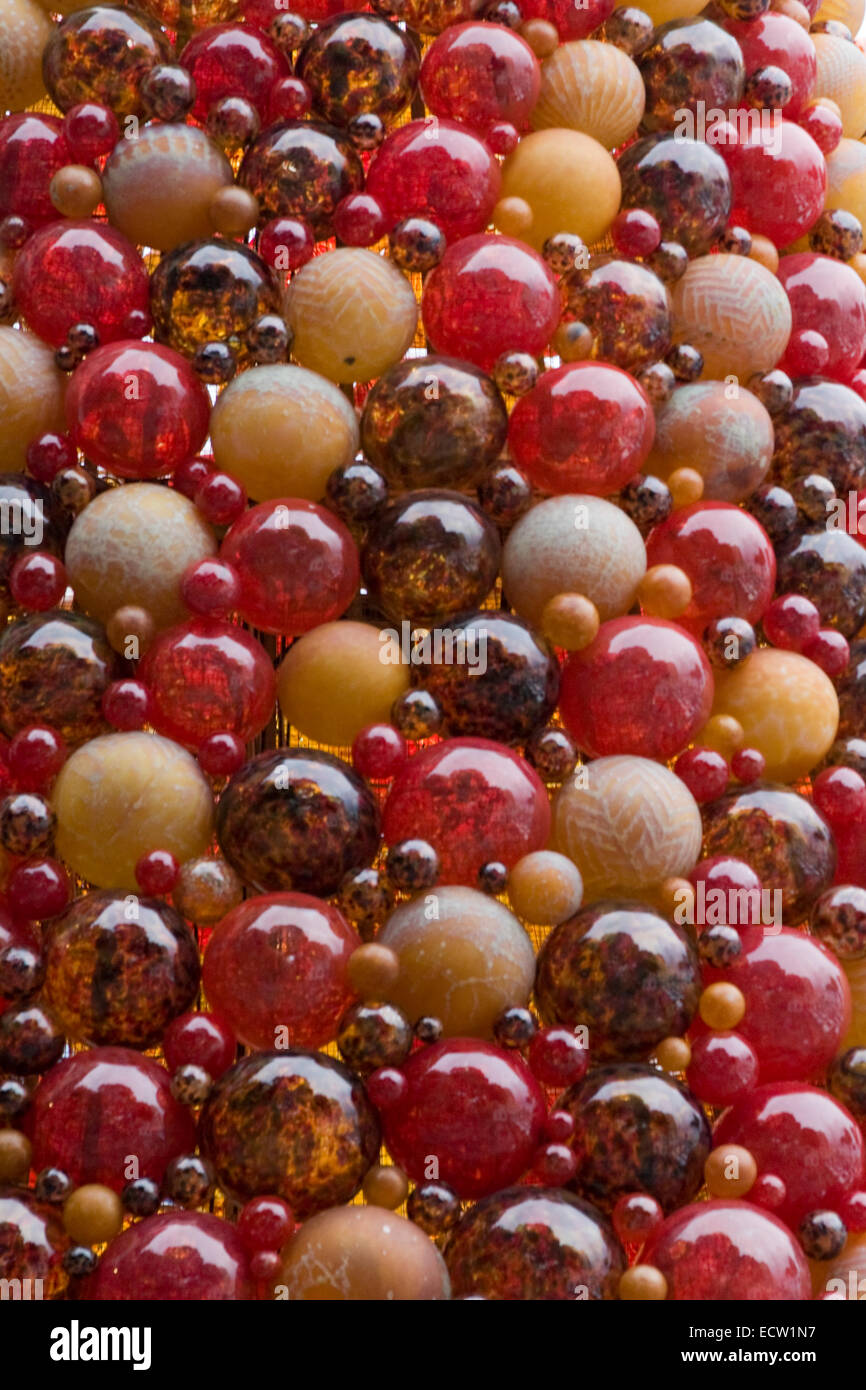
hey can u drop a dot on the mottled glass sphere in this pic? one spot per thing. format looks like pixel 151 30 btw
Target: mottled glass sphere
pixel 54 669
pixel 206 889
pixel 119 969
pixel 626 308
pixel 829 567
pixel 822 431
pixel 429 555
pixel 534 1244
pixel 684 183
pixel 636 1130
pixel 358 63
pixel 433 422
pixel 34 504
pixel 74 272
pixel 32 1242
pixel 624 972
pixel 294 1124
pixel 297 819
pixel 851 689
pixel 302 169
pixel 690 61
pixel 101 54
pixel 212 291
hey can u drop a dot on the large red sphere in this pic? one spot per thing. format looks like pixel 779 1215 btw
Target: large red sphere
pixel 779 181
pixel 829 298
pixel 723 1251
pixel 173 1256
pixel 439 170
pixel 480 74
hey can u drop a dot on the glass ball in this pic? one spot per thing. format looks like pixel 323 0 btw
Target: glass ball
pixel 481 74
pixel 362 1254
pixel 373 1036
pixel 684 183
pixel 79 272
pixel 211 291
pixel 54 669
pixel 175 1255
pixel 779 181
pixel 416 245
pixel 102 54
pixel 452 179
pixel 228 60
pixel 838 919
pixel 33 148
pixel 358 63
pixel 34 1242
pixel 141 177
pixel 830 298
pixel 829 567
pixel 824 431
pixel 301 169
pixel 315 697
pixel 728 1250
pixel 741 431
pixel 626 307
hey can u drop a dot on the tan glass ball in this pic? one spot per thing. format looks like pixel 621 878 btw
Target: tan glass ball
pixel 665 591
pixel 720 430
pixel 787 706
pixel 352 313
pixel 722 1006
pixel 541 35
pixel 593 87
pixel 385 1186
pixel 573 544
pixel 842 77
pixel 26 30
pixel 131 631
pixel 15 1153
pixel 674 1054
pixel 463 959
pixel 627 823
pixel 159 188
pixel 765 253
pixel 75 190
pixel 362 1254
pixel 233 211
pixel 642 1284
pixel 735 312
pixel 333 682
pixel 373 970
pixel 686 485
pixel 31 396
pixel 723 733
pixel 206 889
pixel 513 217
pixel 846 178
pixel 675 893
pixel 132 546
pixel 123 795
pixel 730 1171
pixel 282 430
pixel 570 621
pixel 568 179
pixel 545 888
pixel 92 1214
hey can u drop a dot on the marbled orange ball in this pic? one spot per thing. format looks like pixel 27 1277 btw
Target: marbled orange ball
pixel 718 428
pixel 568 179
pixel 361 1254
pixel 787 707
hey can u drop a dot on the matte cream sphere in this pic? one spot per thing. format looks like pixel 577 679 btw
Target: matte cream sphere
pixel 31 396
pixel 723 432
pixel 787 707
pixel 362 1254
pixel 842 77
pixel 735 312
pixel 592 87
pixel 568 179
pixel 333 682
pixel 25 31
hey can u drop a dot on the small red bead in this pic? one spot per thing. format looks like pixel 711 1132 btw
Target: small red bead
pixel 636 1217
pixel 200 1040
pixel 704 772
pixel 386 1087
pixel 767 1191
pixel 220 755
pixel 722 1068
pixel 221 499
pixel 725 873
pixel 156 873
pixel 289 100
pixel 829 650
pixel 503 137
pixel 748 765
pixel 840 794
pixel 285 243
pixel 823 125
pixel 379 751
pixel 853 1212
pixel 48 453
pixel 359 220
pixel 137 323
pixel 265 1265
pixel 91 131
pixel 791 622
pixel 265 1223
pixel 126 704
pixel 190 475
pixel 557 1057
pixel 37 889
pixel 37 581
pixel 211 588
pixel 807 353
pixel 635 232
pixel 559 1126
pixel 36 755
pixel 555 1165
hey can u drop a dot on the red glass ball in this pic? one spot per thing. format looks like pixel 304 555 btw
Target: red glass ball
pixel 286 243
pixel 359 220
pixel 211 588
pixel 38 888
pixel 724 1066
pixel 126 704
pixel 779 180
pixel 829 650
pixel 221 499
pixel 221 754
pixel 774 40
pixel 827 297
pixel 436 169
pixel 35 756
pixel 557 1058
pixel 289 99
pixel 386 1087
pixel 570 20
pixel 80 272
pixel 481 74
pixel 704 772
pixel 137 409
pixel 853 1212
pixel 791 621
pixel 474 801
pixel 379 751
pixel 32 149
pixel 584 427
pixel 229 60
pixel 265 1223
pixel 487 296
pixel 91 131
pixel 642 686
pixel 805 1137
pixel 206 677
pixel 824 126
pixel 37 582
pixel 554 1165
pixel 474 1106
pixel 297 564
pixel 807 353
pixel 840 794
pixel 727 1251
pixel 156 873
pixel 636 1217
pixel 199 1040
pixel 767 1191
pixel 189 475
pixel 748 765
pixel 275 970
pixel 727 556
pixel 724 874
pixel 503 137
pixel 171 1257
pixel 635 232
pixel 48 453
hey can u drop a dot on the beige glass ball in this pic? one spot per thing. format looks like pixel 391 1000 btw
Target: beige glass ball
pixel 593 87
pixel 842 77
pixel 735 312
pixel 132 546
pixel 353 1254
pixel 463 959
pixel 787 707
pixel 574 544
pixel 159 187
pixel 628 824
pixel 846 178
pixel 333 682
pixel 545 888
pixel 31 396
pixel 26 30
pixel 568 179
pixel 282 430
pixel 123 795
pixel 352 313
pixel 719 429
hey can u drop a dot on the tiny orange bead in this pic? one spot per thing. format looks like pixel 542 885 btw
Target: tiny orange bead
pixel 676 895
pixel 686 486
pixel 233 211
pixel 665 591
pixel 373 970
pixel 723 733
pixel 643 1284
pixel 722 1006
pixel 92 1214
pixel 570 621
pixel 541 35
pixel 764 252
pixel 513 216
pixel 386 1186
pixel 75 190
pixel 858 264
pixel 15 1154
pixel 730 1171
pixel 130 630
pixel 674 1054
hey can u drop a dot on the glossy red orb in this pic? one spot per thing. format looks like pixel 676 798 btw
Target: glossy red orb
pixel 48 453
pixel 35 755
pixel 829 298
pixel 726 554
pixel 199 1040
pixel 37 582
pixel 221 499
pixel 221 754
pixel 80 272
pixel 642 686
pixel 829 650
pixel 807 353
pixel 481 74
pixel 232 60
pixel 840 794
pixel 32 149
pixel 724 1251
pixel 558 1058
pixel 570 20
pixel 723 1067
pixel 636 1217
pixel 156 873
pixel 359 220
pixel 289 99
pixel 748 765
pixel 779 181
pixel 729 876
pixel 137 409
pixel 476 802
pixel 211 588
pixel 92 131
pixel 207 676
pixel 379 751
pixel 38 888
pixel 474 1107
pixel 704 772
pixel 791 621
pixel 297 564
pixel 286 243
pixel 265 1223
pixel 189 476
pixel 487 296
pixel 635 232
pixel 108 1116
pixel 174 1256
pixel 126 704
pixel 436 169
pixel 585 427
pixel 824 125
pixel 774 40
